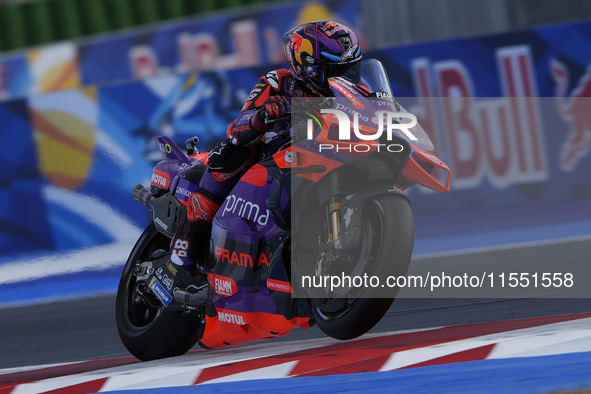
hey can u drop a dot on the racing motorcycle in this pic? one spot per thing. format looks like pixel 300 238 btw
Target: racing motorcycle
pixel 315 206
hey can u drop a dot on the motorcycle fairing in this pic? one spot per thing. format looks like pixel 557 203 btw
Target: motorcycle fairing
pixel 170 150
pixel 247 309
pixel 174 165
pixel 419 156
pixel 261 306
pixel 257 325
pixel 184 189
pixel 418 170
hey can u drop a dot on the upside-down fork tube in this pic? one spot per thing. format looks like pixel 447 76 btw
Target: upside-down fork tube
pixel 334 213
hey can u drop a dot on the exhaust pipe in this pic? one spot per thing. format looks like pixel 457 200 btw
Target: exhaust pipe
pixel 194 299
pixel 142 194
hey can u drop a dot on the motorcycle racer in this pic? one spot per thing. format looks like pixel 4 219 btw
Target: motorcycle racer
pixel 315 52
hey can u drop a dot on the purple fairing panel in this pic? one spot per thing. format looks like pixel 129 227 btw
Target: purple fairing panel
pixel 176 163
pixel 244 219
pixel 175 169
pixel 237 255
pixel 241 255
pixel 170 150
pixel 243 244
pixel 184 189
pixel 237 229
pixel 249 203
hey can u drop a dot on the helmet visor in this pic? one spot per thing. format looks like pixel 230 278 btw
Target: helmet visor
pixel 351 71
pixel 321 73
pixel 337 70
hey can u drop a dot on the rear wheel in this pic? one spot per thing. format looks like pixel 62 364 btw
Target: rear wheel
pixel 147 329
pixel 385 249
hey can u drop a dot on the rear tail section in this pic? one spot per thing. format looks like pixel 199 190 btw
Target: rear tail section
pixel 170 150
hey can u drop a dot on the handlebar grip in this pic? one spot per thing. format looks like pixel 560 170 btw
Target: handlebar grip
pixel 286 117
pixel 142 194
pixel 328 102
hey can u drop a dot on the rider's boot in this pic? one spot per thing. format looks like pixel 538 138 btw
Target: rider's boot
pixel 190 247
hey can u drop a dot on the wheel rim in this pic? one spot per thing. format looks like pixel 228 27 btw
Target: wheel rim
pixel 335 304
pixel 139 314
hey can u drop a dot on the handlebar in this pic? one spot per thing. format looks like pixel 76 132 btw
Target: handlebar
pixel 285 117
pixel 328 102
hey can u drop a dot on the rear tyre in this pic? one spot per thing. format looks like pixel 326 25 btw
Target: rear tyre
pixel 148 330
pixel 387 243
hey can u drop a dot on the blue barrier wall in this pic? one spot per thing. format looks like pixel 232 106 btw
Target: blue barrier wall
pixel 71 157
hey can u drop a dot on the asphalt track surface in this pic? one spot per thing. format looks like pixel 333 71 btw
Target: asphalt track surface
pixel 85 329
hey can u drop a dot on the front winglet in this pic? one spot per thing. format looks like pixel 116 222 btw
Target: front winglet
pixel 414 172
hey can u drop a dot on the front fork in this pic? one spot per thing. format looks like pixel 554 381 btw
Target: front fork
pixel 330 249
pixel 334 220
pixel 333 193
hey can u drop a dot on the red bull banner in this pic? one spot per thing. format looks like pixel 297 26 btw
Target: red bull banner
pixel 510 114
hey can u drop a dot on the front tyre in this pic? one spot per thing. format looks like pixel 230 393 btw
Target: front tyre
pixel 147 329
pixel 386 249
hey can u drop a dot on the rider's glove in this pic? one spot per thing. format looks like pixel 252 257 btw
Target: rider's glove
pixel 273 108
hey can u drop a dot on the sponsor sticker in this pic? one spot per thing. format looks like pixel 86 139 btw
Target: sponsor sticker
pixel 246 209
pixel 279 285
pixel 171 268
pixel 222 285
pixel 160 292
pixel 233 318
pixel 160 178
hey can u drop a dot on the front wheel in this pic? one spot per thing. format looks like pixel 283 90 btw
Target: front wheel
pixel 147 329
pixel 385 249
